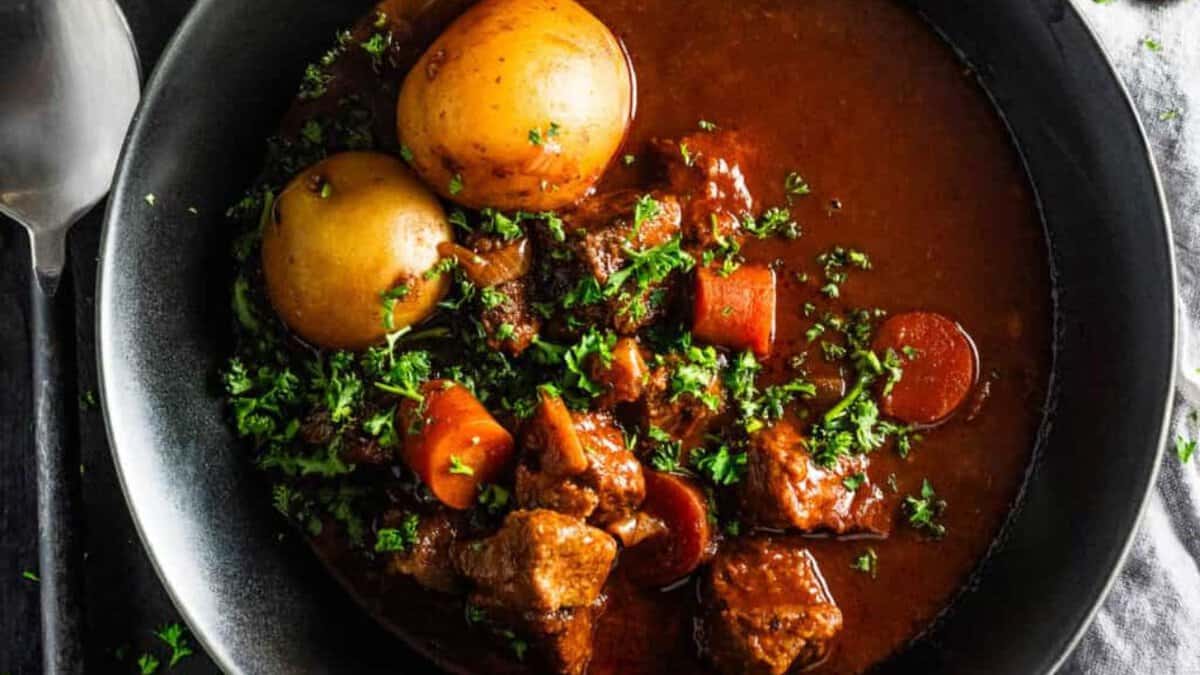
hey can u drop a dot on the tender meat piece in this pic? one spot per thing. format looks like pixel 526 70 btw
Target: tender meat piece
pixel 539 560
pixel 709 181
pixel 684 416
pixel 766 608
pixel 599 233
pixel 608 490
pixel 623 378
pixel 428 561
pixel 559 641
pixel 783 488
pixel 516 311
pixel 600 229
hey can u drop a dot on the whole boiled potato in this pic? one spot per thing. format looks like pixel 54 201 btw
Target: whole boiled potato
pixel 346 231
pixel 520 104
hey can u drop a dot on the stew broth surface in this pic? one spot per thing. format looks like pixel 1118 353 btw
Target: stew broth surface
pixel 907 161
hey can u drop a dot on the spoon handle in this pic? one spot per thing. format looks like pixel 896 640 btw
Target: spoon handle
pixel 57 479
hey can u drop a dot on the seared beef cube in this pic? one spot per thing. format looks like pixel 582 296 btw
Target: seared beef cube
pixel 784 488
pixel 600 233
pixel 624 377
pixel 428 560
pixel 601 229
pixel 559 641
pixel 708 179
pixel 682 415
pixel 538 560
pixel 609 489
pixel 563 640
pixel 512 324
pixel 766 608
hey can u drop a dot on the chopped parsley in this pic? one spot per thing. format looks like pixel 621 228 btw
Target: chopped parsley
pixel 924 511
pixel 628 160
pixel 695 374
pixel 1152 44
pixel 668 451
pixel 456 184
pixel 458 468
pixel 795 186
pixel 173 636
pixel 646 208
pixel 775 221
pixel 494 498
pixel 388 299
pixel 147 664
pixel 868 562
pixel 705 125
pixel 1168 115
pixel 854 481
pixel 29 575
pixel 491 298
pixel 721 465
pixel 389 539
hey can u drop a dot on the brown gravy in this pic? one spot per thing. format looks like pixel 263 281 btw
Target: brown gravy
pixel 907 161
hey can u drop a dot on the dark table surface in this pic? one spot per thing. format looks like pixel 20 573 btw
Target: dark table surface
pixel 125 600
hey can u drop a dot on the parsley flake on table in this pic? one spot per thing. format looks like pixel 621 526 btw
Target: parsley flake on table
pixel 147 664
pixel 173 636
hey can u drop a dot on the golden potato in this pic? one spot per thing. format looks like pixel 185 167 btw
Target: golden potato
pixel 520 104
pixel 346 231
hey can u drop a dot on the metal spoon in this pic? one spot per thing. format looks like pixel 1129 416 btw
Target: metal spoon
pixel 69 84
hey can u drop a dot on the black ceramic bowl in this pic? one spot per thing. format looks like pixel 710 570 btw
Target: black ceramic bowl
pixel 264 606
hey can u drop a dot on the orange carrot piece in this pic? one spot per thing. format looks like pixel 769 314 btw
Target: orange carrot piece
pixel 551 438
pixel 737 311
pixel 453 443
pixel 939 366
pixel 687 539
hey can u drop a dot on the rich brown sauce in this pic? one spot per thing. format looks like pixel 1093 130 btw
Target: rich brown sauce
pixel 863 100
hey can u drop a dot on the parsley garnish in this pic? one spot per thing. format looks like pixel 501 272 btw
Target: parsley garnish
pixel 924 511
pixel 1152 44
pixel 389 539
pixel 456 184
pixel 388 299
pixel 147 664
pixel 705 125
pixel 494 498
pixel 867 562
pixel 722 466
pixel 457 467
pixel 774 221
pixel 491 298
pixel 855 481
pixel 29 575
pixel 173 636
pixel 795 186
pixel 695 374
pixel 646 208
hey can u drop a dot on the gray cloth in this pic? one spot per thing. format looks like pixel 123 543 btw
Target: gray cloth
pixel 1150 622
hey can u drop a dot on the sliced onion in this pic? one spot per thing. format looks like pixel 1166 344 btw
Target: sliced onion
pixel 493 267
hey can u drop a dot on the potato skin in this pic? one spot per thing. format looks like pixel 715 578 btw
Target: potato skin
pixel 327 260
pixel 504 68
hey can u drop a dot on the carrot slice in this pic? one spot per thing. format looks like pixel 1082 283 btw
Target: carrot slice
pixel 939 366
pixel 737 311
pixel 686 540
pixel 551 439
pixel 453 443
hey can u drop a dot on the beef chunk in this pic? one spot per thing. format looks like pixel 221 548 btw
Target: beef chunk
pixel 709 182
pixel 624 377
pixel 600 229
pixel 766 608
pixel 784 488
pixel 428 560
pixel 682 415
pixel 512 324
pixel 559 641
pixel 539 560
pixel 608 490
pixel 599 233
